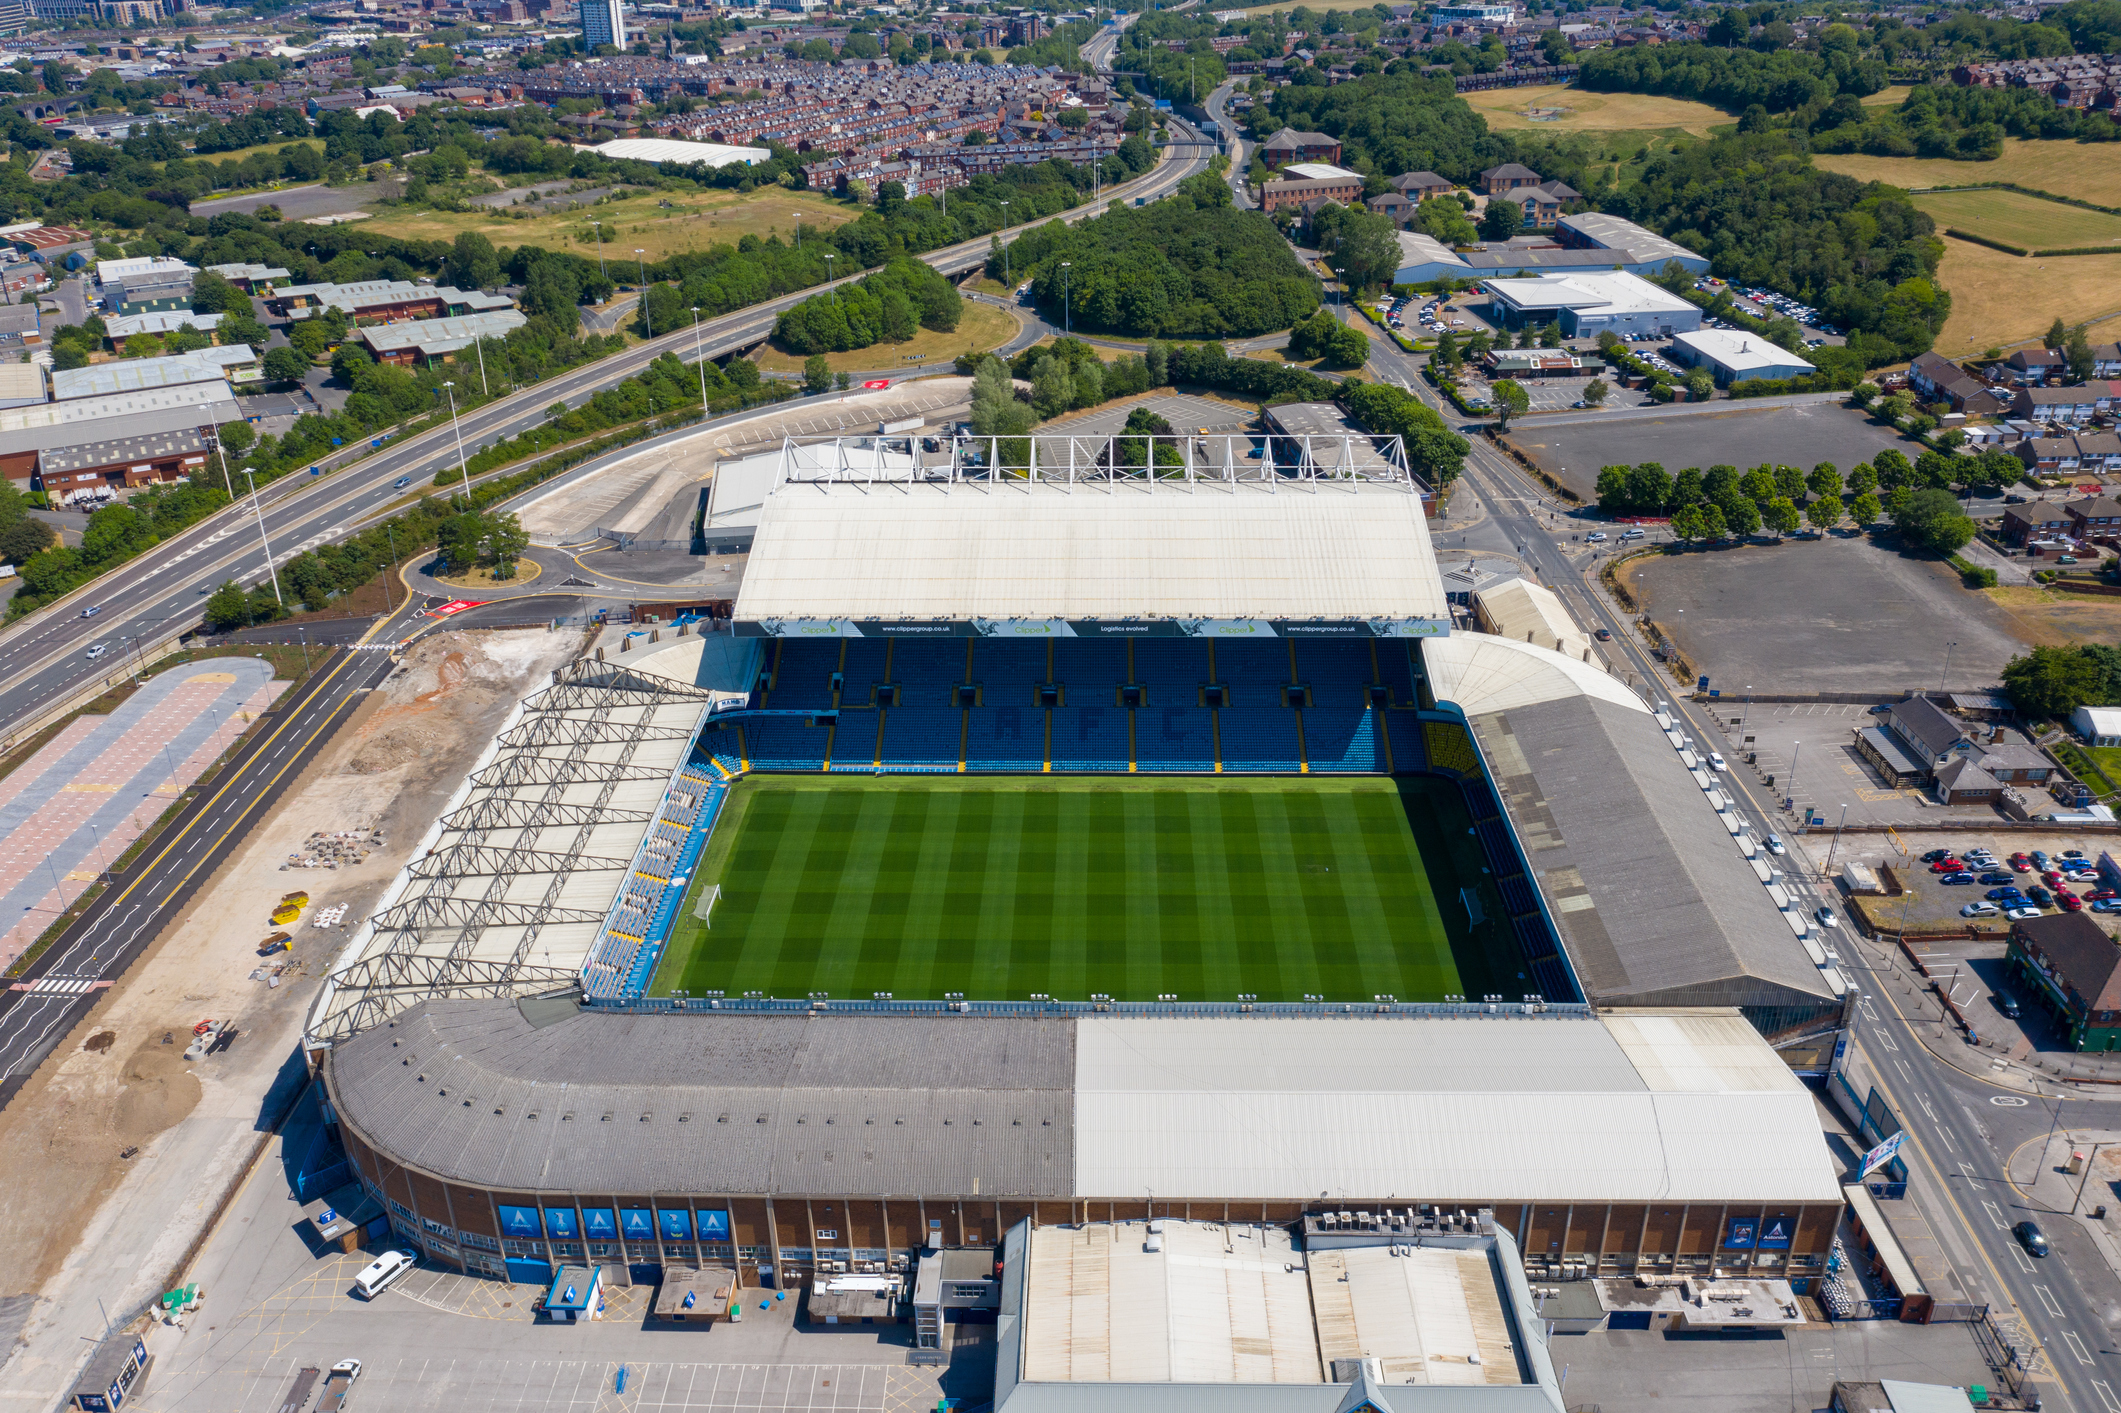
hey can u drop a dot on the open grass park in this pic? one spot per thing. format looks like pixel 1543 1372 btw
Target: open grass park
pixel 2017 219
pixel 981 327
pixel 697 220
pixel 2088 171
pixel 1002 888
pixel 1566 108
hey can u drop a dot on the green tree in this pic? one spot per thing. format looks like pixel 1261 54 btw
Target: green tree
pixel 1714 525
pixel 1511 400
pixel 1757 484
pixel 1825 481
pixel 1686 521
pixel 2050 681
pixel 1596 391
pixel 2057 333
pixel 1789 482
pixel 506 542
pixel 24 538
pixel 1503 219
pixel 1742 516
pixel 1933 521
pixel 1865 510
pixel 236 437
pixel 1824 513
pixel 996 412
pixel 227 608
pixel 817 374
pixel 284 365
pixel 1862 479
pixel 1780 516
pixel 1700 384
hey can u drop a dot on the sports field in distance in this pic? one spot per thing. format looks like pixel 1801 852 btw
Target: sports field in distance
pixel 2020 220
pixel 2088 171
pixel 1132 888
pixel 1566 108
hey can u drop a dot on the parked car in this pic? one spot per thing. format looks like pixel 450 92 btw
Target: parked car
pixel 2039 858
pixel 1973 910
pixel 2004 895
pixel 2099 895
pixel 2024 912
pixel 1995 878
pixel 1956 880
pixel 1936 856
pixel 2040 897
pixel 1945 866
pixel 2071 903
pixel 2008 1005
pixel 2073 853
pixel 2029 1237
pixel 2107 905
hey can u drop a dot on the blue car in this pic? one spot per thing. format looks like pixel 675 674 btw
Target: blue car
pixel 1957 878
pixel 2005 895
pixel 1997 878
pixel 2107 905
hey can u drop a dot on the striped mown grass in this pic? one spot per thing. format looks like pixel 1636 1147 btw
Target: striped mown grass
pixel 1134 888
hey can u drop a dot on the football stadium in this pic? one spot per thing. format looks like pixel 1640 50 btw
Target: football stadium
pixel 1047 841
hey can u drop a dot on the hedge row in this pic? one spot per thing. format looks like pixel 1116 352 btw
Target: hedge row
pixel 2022 191
pixel 1973 239
pixel 2083 250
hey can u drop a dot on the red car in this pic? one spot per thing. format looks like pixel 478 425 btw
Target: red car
pixel 2021 864
pixel 2070 902
pixel 2051 877
pixel 2099 895
pixel 1947 866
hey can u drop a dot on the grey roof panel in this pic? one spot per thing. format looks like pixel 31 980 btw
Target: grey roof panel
pixel 471 1090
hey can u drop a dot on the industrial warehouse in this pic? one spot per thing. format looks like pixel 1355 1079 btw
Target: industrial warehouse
pixel 697 971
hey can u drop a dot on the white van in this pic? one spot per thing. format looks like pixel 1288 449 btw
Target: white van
pixel 382 1273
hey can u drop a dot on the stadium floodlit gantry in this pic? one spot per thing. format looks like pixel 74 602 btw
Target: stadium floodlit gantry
pixel 1089 459
pixel 512 885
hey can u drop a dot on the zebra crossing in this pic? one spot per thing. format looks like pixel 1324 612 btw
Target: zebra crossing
pixel 60 985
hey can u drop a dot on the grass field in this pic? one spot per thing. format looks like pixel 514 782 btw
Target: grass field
pixel 1132 888
pixel 2088 171
pixel 695 221
pixel 980 328
pixel 2006 299
pixel 1580 110
pixel 2021 220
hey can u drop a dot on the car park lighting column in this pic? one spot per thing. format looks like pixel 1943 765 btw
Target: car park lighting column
pixel 263 538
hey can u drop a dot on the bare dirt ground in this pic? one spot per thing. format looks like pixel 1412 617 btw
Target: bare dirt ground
pixel 121 1082
pixel 2046 617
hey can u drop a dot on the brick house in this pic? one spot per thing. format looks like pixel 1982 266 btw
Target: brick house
pixel 1938 379
pixel 2032 367
pixel 1289 145
pixel 1422 186
pixel 2066 963
pixel 1275 195
pixel 1495 181
pixel 2096 516
pixel 2035 520
pixel 2057 404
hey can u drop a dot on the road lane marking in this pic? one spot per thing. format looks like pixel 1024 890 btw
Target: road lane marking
pixel 2007 1101
pixel 2106 1396
pixel 2025 1265
pixel 2047 1298
pixel 2076 1346
pixel 1995 1214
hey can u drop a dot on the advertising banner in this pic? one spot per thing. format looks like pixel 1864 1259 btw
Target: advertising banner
pixel 600 1224
pixel 1775 1233
pixel 677 1226
pixel 1743 1235
pixel 560 1224
pixel 521 1223
pixel 1881 1155
pixel 638 1223
pixel 714 1226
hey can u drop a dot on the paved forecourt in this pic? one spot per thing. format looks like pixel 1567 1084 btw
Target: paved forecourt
pixel 1203 888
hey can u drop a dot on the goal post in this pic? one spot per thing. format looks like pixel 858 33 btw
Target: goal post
pixel 704 908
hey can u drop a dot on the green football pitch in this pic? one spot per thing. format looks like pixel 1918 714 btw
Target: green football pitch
pixel 998 889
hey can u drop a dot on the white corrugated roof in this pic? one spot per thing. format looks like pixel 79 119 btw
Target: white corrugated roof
pixel 1480 672
pixel 667 149
pixel 1515 1109
pixel 1295 550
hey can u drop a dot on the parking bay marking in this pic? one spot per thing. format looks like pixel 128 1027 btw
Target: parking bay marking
pixel 2076 1346
pixel 2106 1396
pixel 1995 1214
pixel 2047 1298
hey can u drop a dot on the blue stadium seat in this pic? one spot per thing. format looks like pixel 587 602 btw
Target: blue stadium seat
pixel 1090 669
pixel 1006 668
pixel 922 737
pixel 1254 669
pixel 927 671
pixel 787 743
pixel 863 670
pixel 1259 739
pixel 1396 669
pixel 1343 739
pixel 1090 738
pixel 1172 669
pixel 1408 751
pixel 1005 738
pixel 803 677
pixel 1174 738
pixel 1333 660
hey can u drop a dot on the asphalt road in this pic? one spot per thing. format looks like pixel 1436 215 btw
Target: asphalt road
pixel 1961 1129
pixel 62 985
pixel 160 594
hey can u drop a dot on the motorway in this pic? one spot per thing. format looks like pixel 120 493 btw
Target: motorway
pixel 61 985
pixel 1961 1129
pixel 160 594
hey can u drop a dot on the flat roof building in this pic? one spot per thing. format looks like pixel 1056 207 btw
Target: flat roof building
pixel 1588 302
pixel 220 364
pixel 423 341
pixel 1734 356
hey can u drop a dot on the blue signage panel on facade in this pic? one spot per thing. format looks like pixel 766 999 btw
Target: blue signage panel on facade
pixel 600 1224
pixel 714 1226
pixel 1744 1234
pixel 521 1223
pixel 1775 1233
pixel 677 1226
pixel 560 1224
pixel 638 1223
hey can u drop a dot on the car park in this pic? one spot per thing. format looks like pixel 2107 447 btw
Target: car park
pixel 2023 912
pixel 1974 910
pixel 2039 897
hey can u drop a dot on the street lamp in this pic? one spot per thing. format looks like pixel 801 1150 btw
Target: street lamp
pixel 599 226
pixel 1945 676
pixel 1837 840
pixel 1007 278
pixel 1067 312
pixel 830 292
pixel 263 538
pixel 640 260
pixel 480 344
pixel 463 468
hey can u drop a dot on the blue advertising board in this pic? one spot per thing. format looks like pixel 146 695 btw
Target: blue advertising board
pixel 714 1226
pixel 1775 1233
pixel 1744 1234
pixel 560 1224
pixel 521 1223
pixel 676 1226
pixel 638 1223
pixel 600 1224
